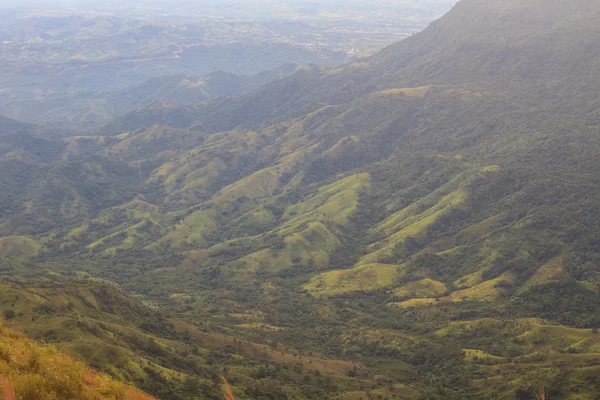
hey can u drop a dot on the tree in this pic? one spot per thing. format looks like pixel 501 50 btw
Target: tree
pixel 9 314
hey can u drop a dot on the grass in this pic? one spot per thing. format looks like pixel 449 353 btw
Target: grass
pixel 188 174
pixel 416 92
pixel 507 352
pixel 549 272
pixel 469 281
pixel 514 327
pixel 262 184
pixel 36 372
pixel 133 236
pixel 478 230
pixel 335 202
pixel 192 231
pixel 409 222
pixel 423 288
pixel 256 219
pixel 389 338
pixel 190 183
pixel 414 303
pixel 260 326
pixel 362 278
pixel 399 391
pixel 338 148
pixel 427 199
pixel 478 355
pixel 432 204
pixel 527 335
pixel 91 322
pixel 19 247
pixel 259 185
pixel 123 227
pixel 484 292
pixel 312 243
pixel 161 134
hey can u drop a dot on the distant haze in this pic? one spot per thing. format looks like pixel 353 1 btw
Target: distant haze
pixel 235 8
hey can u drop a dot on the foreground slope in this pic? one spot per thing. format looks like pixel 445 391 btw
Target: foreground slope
pixel 32 371
pixel 171 358
pixel 428 214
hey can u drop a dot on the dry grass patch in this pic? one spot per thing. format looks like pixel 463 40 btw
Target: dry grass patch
pixel 414 303
pixel 34 372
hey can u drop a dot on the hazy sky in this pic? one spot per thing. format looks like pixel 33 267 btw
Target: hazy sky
pixel 133 3
pixel 237 9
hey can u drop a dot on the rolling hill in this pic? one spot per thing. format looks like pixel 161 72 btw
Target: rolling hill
pixel 424 220
pixel 81 109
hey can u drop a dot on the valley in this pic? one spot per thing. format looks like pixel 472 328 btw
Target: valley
pixel 420 223
pixel 60 65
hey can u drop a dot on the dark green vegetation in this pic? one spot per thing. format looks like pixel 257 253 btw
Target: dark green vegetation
pixel 170 358
pixel 418 224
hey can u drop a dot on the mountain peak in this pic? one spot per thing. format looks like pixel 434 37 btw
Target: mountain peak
pixel 509 40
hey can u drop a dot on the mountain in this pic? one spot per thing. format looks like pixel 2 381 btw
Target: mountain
pixel 9 125
pixel 424 219
pixel 537 54
pixel 171 358
pixel 79 71
pixel 86 109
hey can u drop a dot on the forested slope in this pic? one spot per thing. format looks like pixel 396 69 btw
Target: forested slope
pixel 429 215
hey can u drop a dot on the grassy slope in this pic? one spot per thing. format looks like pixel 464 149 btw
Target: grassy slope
pixel 527 347
pixel 115 334
pixel 472 194
pixel 366 277
pixel 33 371
pixel 19 247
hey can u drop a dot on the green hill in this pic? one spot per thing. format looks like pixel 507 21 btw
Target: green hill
pixel 171 358
pixel 87 109
pixel 421 223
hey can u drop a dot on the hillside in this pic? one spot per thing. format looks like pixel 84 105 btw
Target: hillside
pixel 421 223
pixel 171 358
pixel 32 371
pixel 531 60
pixel 87 109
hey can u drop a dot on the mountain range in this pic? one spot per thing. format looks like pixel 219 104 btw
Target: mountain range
pixel 419 224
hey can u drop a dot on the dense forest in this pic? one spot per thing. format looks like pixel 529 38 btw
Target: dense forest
pixel 422 223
